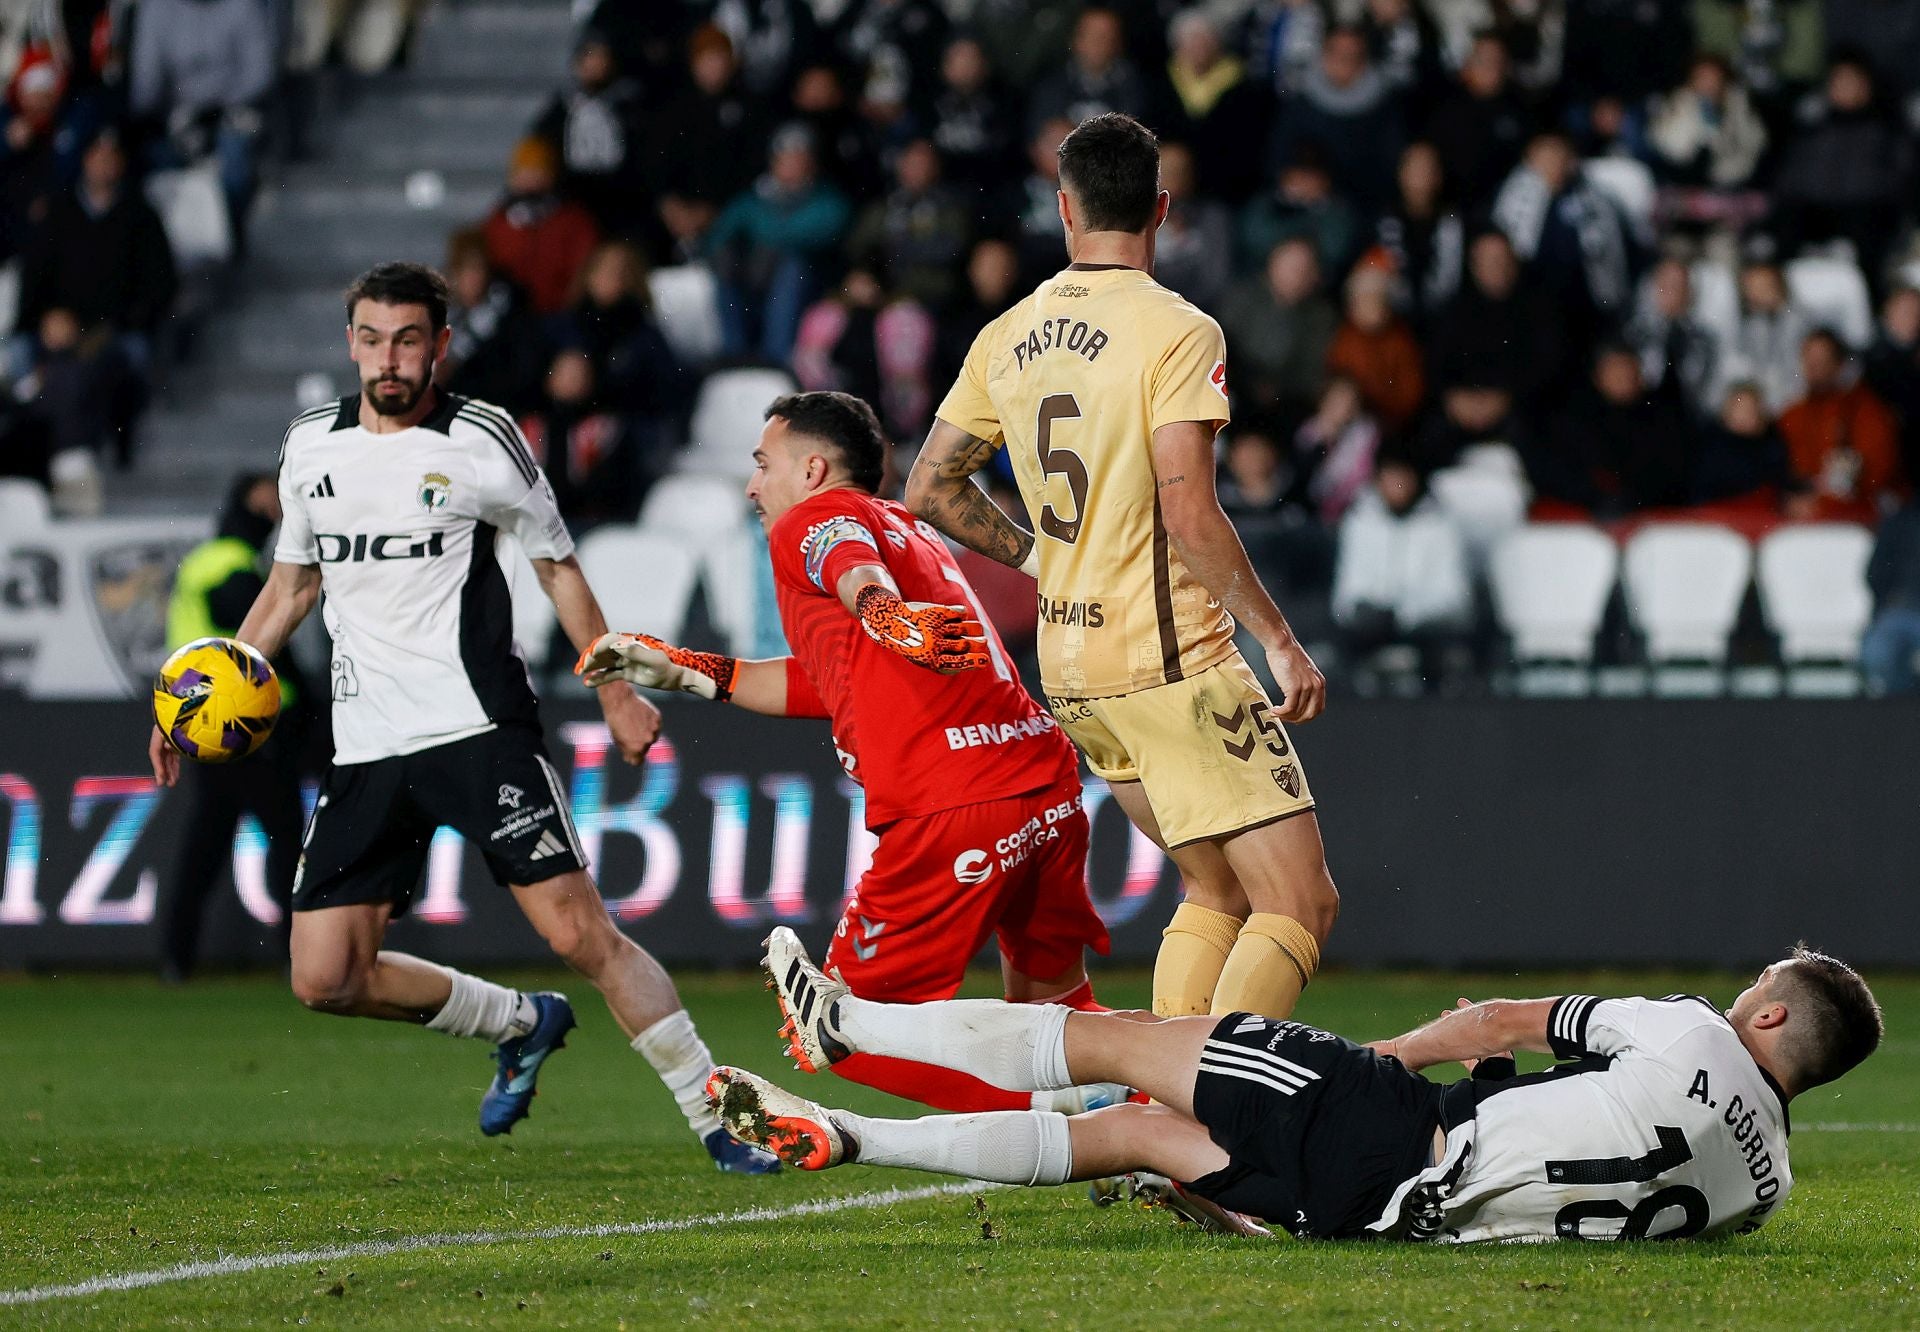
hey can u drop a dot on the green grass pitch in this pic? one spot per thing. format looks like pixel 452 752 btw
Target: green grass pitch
pixel 144 1129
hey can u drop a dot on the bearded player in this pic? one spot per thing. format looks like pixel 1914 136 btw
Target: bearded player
pixel 1107 390
pixel 391 503
pixel 971 789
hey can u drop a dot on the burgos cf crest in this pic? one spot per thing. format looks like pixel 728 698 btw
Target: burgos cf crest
pixel 434 492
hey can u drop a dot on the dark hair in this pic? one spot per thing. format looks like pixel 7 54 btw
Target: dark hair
pixel 1111 167
pixel 1823 333
pixel 1834 1020
pixel 401 284
pixel 845 422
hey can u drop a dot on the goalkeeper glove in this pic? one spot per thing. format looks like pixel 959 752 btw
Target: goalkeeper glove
pixel 941 638
pixel 644 660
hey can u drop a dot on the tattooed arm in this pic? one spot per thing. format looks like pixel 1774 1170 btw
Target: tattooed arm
pixel 941 490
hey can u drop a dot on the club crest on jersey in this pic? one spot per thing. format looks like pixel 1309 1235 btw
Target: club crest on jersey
pixel 435 490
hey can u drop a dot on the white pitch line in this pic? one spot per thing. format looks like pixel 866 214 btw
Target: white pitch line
pixel 237 1264
pixel 1840 1127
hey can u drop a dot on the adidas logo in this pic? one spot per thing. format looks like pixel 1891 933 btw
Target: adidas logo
pixel 549 845
pixel 323 489
pixel 1252 1022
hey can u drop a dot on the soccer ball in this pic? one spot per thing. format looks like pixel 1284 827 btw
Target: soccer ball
pixel 216 700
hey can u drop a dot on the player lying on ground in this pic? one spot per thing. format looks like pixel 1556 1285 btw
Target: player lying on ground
pixel 391 501
pixel 1106 390
pixel 1668 1121
pixel 972 791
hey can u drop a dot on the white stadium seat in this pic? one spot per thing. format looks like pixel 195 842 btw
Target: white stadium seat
pixel 1833 293
pixel 1550 584
pixel 686 301
pixel 1813 590
pixel 709 515
pixel 533 614
pixel 643 580
pixel 1486 494
pixel 23 507
pixel 1716 300
pixel 1684 584
pixel 727 419
pixel 694 506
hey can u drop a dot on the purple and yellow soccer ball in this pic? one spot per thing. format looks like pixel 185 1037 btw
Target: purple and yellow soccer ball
pixel 216 700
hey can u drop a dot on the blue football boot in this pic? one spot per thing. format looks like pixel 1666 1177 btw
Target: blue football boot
pixel 511 1095
pixel 734 1157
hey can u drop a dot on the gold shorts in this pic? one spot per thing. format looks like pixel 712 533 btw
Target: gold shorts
pixel 1206 750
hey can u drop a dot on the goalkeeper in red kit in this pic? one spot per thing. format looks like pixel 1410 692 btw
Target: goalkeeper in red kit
pixel 971 788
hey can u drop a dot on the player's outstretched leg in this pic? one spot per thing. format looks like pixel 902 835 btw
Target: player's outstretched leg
pixel 570 916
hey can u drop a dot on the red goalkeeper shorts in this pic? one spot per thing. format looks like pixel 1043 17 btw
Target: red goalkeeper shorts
pixel 940 885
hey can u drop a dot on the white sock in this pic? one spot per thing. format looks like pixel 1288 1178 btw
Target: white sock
pixel 1021 1047
pixel 683 1061
pixel 480 1008
pixel 1004 1146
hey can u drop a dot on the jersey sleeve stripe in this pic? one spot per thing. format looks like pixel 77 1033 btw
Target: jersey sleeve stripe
pixel 506 435
pixel 1170 668
pixel 311 414
pixel 1567 1025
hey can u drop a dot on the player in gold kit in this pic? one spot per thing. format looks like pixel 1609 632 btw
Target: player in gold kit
pixel 1107 391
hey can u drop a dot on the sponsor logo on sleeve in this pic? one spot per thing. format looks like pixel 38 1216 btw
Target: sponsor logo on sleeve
pixel 1218 378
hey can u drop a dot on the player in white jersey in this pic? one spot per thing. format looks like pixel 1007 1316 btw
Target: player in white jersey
pixel 394 501
pixel 1668 1119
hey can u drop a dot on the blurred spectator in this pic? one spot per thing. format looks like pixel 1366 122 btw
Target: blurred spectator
pixel 1421 236
pixel 201 69
pixel 1628 49
pixel 1890 652
pixel 1263 492
pixel 596 464
pixel 1345 114
pixel 859 342
pixel 712 140
pixel 773 38
pixel 1401 574
pixel 843 142
pixel 1279 326
pixel 769 247
pixel 993 274
pixel 1887 32
pixel 907 36
pixel 1097 77
pixel 368 34
pixel 1777 47
pixel 1569 234
pixel 1679 354
pixel 1022 38
pixel 1193 250
pixel 1499 334
pixel 1892 369
pixel 1214 107
pixel 611 320
pixel 1405 45
pixel 1334 450
pixel 596 132
pixel 1841 439
pixel 971 120
pixel 1285 41
pixel 1042 239
pixel 101 271
pixel 26 440
pixel 1481 126
pixel 1766 346
pixel 535 237
pixel 1376 350
pixel 1741 457
pixel 42 133
pixel 494 346
pixel 1468 417
pixel 1616 448
pixel 1302 205
pixel 1706 132
pixel 1845 174
pixel 918 234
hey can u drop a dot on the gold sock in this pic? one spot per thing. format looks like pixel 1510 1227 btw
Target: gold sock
pixel 1271 963
pixel 1193 949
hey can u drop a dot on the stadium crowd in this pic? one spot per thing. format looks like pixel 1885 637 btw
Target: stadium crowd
pixel 1475 259
pixel 1593 259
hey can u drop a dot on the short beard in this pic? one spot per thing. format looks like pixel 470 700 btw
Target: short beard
pixel 391 407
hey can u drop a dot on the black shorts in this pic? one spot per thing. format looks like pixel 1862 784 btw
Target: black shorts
pixel 368 838
pixel 1320 1131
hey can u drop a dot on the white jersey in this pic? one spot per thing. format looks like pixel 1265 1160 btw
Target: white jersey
pixel 1664 1128
pixel 403 527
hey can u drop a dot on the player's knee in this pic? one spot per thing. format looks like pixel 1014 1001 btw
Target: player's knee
pixel 584 940
pixel 330 990
pixel 1323 908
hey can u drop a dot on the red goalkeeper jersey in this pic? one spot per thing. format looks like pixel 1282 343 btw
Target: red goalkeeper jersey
pixel 918 741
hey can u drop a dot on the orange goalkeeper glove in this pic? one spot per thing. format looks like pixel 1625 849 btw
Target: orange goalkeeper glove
pixel 644 660
pixel 942 638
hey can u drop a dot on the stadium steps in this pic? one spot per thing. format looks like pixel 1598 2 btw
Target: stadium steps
pixel 480 71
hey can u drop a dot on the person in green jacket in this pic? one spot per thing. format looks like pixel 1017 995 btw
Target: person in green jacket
pixel 212 591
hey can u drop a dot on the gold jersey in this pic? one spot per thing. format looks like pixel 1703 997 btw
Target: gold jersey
pixel 1073 381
